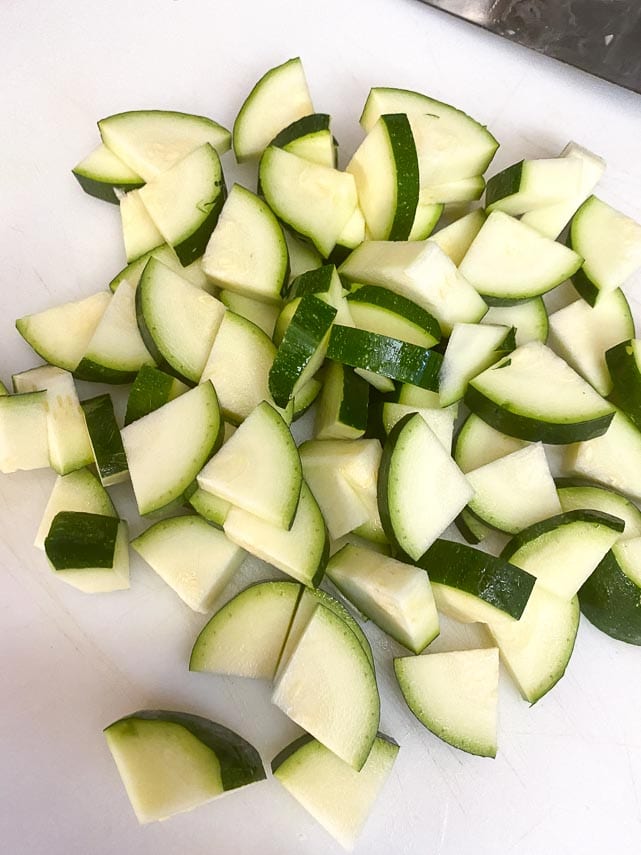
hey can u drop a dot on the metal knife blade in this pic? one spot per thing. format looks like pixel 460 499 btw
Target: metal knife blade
pixel 602 37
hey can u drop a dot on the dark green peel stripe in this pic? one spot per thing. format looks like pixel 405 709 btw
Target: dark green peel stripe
pixel 311 124
pixel 389 357
pixel 612 602
pixel 151 389
pixel 405 158
pixel 354 406
pixel 78 540
pixel 317 281
pixel 105 190
pixel 94 372
pixel 240 763
pixel 493 580
pixel 470 528
pixel 193 245
pixel 505 183
pixel 290 749
pixel 538 529
pixel 376 295
pixel 584 285
pixel 104 433
pixel 530 429
pixel 626 379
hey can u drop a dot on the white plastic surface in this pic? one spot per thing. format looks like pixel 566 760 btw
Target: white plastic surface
pixel 567 778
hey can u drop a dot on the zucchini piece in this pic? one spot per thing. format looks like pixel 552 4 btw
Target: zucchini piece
pixel 171 762
pixel 315 201
pixel 105 176
pixel 396 596
pixel 498 584
pixel 302 350
pixel 551 220
pixel 452 192
pixel 302 256
pixel 398 360
pixel 417 397
pixel 533 184
pixel 238 365
pixel 562 551
pixel 139 233
pixel 508 261
pixel 440 420
pixel 380 310
pixel 421 272
pixel 456 238
pixel 116 351
pixel 152 141
pixel 177 321
pixel 337 796
pixel 343 405
pixel 258 469
pixel 185 202
pixel 471 349
pixel 477 444
pixel 471 529
pixel 264 315
pixel 613 459
pixel 412 512
pixel 133 272
pixel 279 98
pixel 351 236
pixel 301 551
pixel 247 252
pixel 582 334
pixel 323 282
pixel 69 445
pixel 528 318
pixel 89 551
pixel 477 145
pixel 309 137
pixel 195 419
pixel 515 491
pixel 24 433
pixel 576 494
pixel 303 400
pixel 106 444
pixel 623 363
pixel 151 389
pixel 209 507
pixel 61 335
pixel 610 244
pixel 78 491
pixel 246 636
pixel 192 557
pixel 425 220
pixel 455 696
pixel 534 395
pixel 386 170
pixel 445 155
pixel 328 687
pixel 610 598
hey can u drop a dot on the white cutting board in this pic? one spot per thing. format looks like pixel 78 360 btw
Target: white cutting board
pixel 568 775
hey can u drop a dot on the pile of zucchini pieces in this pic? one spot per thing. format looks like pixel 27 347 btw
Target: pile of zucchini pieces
pixel 436 379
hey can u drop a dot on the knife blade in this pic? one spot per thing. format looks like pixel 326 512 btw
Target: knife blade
pixel 602 37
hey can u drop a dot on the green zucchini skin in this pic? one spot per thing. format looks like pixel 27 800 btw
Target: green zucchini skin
pixel 612 602
pixel 240 763
pixel 151 389
pixel 505 183
pixel 106 442
pixel 316 281
pixel 79 540
pixel 530 429
pixel 552 523
pixel 581 282
pixel 492 579
pixel 93 372
pixel 472 529
pixel 104 190
pixel 383 298
pixel 390 357
pixel 626 379
pixel 355 402
pixel 401 140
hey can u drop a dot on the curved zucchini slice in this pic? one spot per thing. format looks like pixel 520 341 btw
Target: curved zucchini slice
pixel 534 395
pixel 454 695
pixel 337 796
pixel 105 176
pixel 413 513
pixel 385 167
pixel 532 184
pixel 440 419
pixel 178 322
pixel 425 219
pixel 152 141
pixel 116 351
pixel 264 315
pixel 477 444
pixel 279 98
pixel 193 417
pixel 610 598
pixel 61 335
pixel 576 494
pixel 150 390
pixel 139 233
pixel 209 507
pixel 77 491
pixel 258 469
pixel 343 405
pixel 247 252
pixel 471 349
pixel 106 444
pixel 171 762
pixel 610 244
pixel 624 365
pixel 310 137
pixel 562 551
pixel 456 239
pixel 582 334
pixel 471 529
pixel 328 688
pixel 380 310
pixel 508 261
pixel 185 202
pixel 132 272
pixel 528 318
